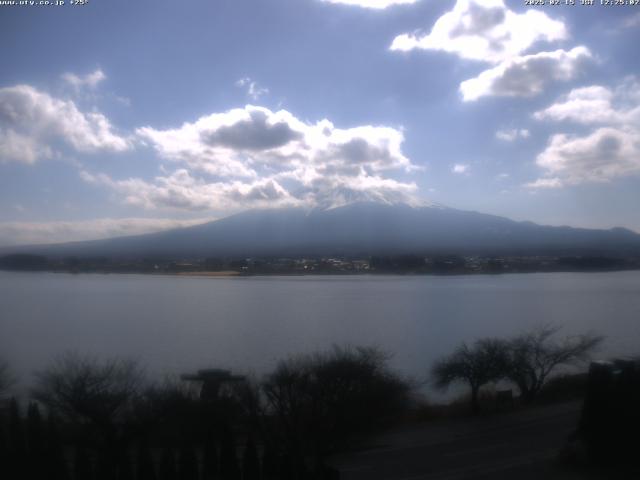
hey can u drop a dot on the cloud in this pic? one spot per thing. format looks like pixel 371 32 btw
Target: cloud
pixel 596 105
pixel 30 233
pixel 254 133
pixel 21 148
pixel 32 123
pixel 254 90
pixel 488 31
pixel 485 30
pixel 328 191
pixel 180 190
pixel 527 75
pixel 546 183
pixel 609 151
pixel 512 135
pixel 460 168
pixel 234 143
pixel 91 80
pixel 632 21
pixel 374 4
pixel 255 157
pixel 603 155
pixel 246 142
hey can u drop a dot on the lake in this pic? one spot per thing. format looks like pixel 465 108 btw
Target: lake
pixel 176 324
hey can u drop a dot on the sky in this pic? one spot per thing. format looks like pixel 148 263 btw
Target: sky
pixel 121 117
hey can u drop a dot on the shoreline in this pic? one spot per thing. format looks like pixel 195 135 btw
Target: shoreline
pixel 237 274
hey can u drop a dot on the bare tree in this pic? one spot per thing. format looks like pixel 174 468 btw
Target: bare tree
pixel 6 379
pixel 477 365
pixel 85 389
pixel 169 406
pixel 320 400
pixel 534 355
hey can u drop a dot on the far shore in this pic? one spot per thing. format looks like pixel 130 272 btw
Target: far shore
pixel 238 274
pixel 223 273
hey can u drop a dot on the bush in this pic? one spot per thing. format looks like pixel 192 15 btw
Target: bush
pixel 321 400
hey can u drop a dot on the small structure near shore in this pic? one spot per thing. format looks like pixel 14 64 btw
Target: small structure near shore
pixel 212 381
pixel 611 415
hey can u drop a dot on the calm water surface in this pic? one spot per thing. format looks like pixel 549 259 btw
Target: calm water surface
pixel 175 324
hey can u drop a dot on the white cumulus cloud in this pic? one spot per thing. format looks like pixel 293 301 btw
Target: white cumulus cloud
pixel 243 141
pixel 255 157
pixel 611 149
pixel 180 190
pixel 254 90
pixel 485 30
pixel 527 75
pixel 552 182
pixel 513 134
pixel 90 80
pixel 596 105
pixel 33 122
pixel 603 155
pixel 460 168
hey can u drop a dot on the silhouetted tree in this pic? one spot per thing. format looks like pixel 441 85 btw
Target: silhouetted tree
pixel 6 379
pixel 85 390
pixel 107 463
pixel 56 463
pixel 125 466
pixel 83 468
pixel 229 469
pixel 145 468
pixel 168 407
pixel 246 394
pixel 209 461
pixel 17 462
pixel 477 365
pixel 321 400
pixel 250 461
pixel 36 443
pixel 35 430
pixel 269 463
pixel 534 355
pixel 4 448
pixel 168 465
pixel 187 464
pixel 289 469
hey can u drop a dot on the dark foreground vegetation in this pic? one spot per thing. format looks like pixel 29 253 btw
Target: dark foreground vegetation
pixel 399 264
pixel 103 421
pixel 95 419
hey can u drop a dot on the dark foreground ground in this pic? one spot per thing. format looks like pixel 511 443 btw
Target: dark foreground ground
pixel 521 445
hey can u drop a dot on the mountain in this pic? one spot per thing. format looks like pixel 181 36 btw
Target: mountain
pixel 359 229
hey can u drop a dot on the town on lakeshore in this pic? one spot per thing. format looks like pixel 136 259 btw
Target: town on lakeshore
pixel 389 264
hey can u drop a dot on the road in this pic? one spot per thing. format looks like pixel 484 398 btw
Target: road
pixel 520 445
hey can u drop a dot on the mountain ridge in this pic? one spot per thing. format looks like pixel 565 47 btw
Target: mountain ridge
pixel 362 228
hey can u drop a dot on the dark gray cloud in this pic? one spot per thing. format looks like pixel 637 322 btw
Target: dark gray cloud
pixel 527 75
pixel 254 134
